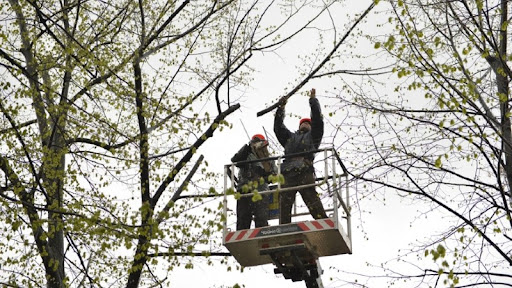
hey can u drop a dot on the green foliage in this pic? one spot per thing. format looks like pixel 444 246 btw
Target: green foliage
pixel 438 162
pixel 439 252
pixel 279 178
pixel 230 191
pixel 441 133
pixel 98 131
pixel 256 196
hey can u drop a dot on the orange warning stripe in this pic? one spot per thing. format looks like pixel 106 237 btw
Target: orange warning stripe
pixel 315 225
pixel 242 235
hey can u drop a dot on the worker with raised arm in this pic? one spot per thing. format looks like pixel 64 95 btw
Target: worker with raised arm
pixel 299 170
pixel 252 176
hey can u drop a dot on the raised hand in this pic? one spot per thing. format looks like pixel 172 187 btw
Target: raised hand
pixel 312 93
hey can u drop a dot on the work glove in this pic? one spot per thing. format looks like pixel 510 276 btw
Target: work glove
pixel 282 103
pixel 312 93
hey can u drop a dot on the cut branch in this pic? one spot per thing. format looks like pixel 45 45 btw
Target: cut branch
pixel 326 59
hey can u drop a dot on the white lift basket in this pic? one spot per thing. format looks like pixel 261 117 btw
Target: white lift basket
pixel 295 247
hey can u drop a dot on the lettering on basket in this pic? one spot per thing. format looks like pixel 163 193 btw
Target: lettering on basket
pixel 279 230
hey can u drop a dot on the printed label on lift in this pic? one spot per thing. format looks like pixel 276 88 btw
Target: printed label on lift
pixel 268 231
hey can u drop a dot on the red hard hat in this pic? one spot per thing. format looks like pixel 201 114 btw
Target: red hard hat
pixel 258 136
pixel 305 120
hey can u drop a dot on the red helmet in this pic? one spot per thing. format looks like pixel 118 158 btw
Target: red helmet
pixel 258 137
pixel 305 120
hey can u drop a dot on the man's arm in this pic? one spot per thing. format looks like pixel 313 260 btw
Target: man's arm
pixel 242 154
pixel 317 121
pixel 282 133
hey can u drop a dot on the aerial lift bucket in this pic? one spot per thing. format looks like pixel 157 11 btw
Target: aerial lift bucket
pixel 294 248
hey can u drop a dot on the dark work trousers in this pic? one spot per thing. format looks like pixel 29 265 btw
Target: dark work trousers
pixel 286 198
pixel 246 208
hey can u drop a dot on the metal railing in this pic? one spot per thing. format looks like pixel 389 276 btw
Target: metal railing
pixel 331 160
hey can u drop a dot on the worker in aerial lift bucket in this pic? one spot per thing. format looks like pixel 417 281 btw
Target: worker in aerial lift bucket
pixel 253 176
pixel 299 170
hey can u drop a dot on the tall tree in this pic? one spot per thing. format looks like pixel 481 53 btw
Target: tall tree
pixel 104 105
pixel 442 135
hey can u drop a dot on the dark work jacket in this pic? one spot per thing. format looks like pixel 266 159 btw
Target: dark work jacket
pixel 250 171
pixel 296 142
